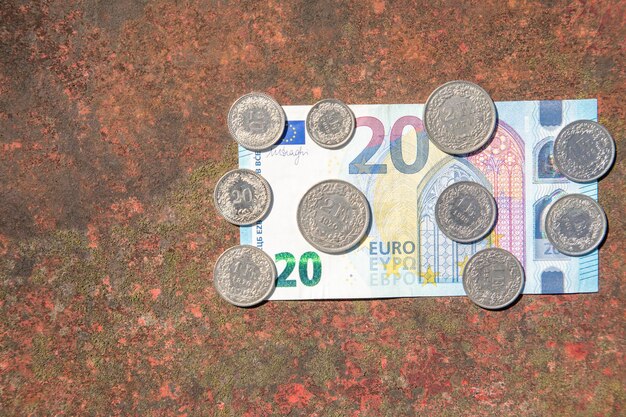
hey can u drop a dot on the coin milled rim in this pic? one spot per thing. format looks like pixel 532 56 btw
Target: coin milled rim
pixel 560 137
pixel 257 300
pixel 600 239
pixel 275 140
pixel 492 220
pixel 517 293
pixel 313 136
pixel 483 142
pixel 266 210
pixel 362 233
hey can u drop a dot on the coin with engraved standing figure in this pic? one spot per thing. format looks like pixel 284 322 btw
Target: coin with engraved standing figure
pixel 465 212
pixel 459 117
pixel 493 278
pixel 244 275
pixel 330 123
pixel 584 151
pixel 575 224
pixel 256 121
pixel 333 216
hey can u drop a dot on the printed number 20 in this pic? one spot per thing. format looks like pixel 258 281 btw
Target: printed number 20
pixel 360 166
pixel 550 250
pixel 303 269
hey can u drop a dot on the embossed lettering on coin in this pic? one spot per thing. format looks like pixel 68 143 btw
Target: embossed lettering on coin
pixel 575 224
pixel 333 216
pixel 242 196
pixel 244 275
pixel 584 151
pixel 256 121
pixel 330 123
pixel 465 212
pixel 459 117
pixel 493 278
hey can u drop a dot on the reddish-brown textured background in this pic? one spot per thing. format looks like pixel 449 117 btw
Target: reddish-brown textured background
pixel 112 135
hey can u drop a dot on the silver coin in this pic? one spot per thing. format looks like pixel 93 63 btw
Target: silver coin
pixel 584 151
pixel 333 216
pixel 242 196
pixel 244 275
pixel 459 117
pixel 465 212
pixel 575 224
pixel 256 121
pixel 493 278
pixel 330 123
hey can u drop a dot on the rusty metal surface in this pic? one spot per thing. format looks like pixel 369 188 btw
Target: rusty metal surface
pixel 113 134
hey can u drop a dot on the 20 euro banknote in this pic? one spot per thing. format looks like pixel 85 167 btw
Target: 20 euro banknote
pixel 391 160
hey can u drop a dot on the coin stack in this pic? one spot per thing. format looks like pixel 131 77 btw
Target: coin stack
pixel 333 216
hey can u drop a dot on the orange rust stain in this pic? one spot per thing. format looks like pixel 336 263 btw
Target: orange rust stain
pixel 166 392
pixel 379 6
pixel 577 350
pixel 155 292
pixel 195 311
pixel 12 146
pixel 92 236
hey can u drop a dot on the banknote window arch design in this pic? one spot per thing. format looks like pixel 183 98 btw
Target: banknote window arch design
pixel 551 113
pixel 544 170
pixel 552 281
pixel 543 249
pixel 502 163
pixel 540 209
pixel 444 257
